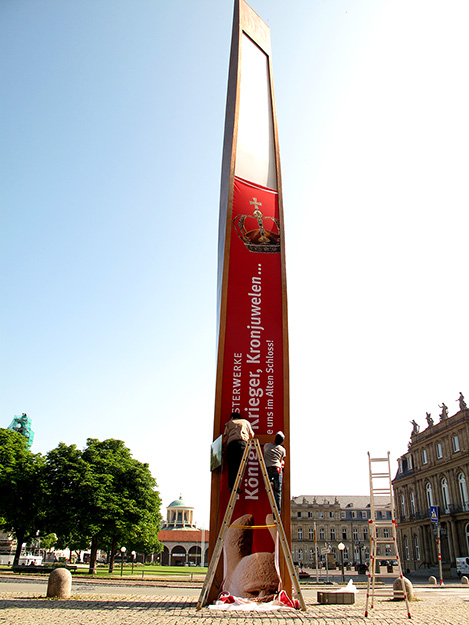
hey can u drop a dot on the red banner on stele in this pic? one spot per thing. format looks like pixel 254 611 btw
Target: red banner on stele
pixel 253 356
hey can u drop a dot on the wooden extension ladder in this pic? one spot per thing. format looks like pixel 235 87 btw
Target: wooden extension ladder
pixel 217 551
pixel 383 530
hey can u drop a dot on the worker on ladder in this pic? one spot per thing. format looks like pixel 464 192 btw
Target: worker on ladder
pixel 235 438
pixel 274 455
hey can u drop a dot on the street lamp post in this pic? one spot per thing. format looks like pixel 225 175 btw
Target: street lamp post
pixel 123 550
pixel 341 548
pixel 133 554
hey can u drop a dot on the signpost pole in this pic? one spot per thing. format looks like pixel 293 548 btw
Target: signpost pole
pixel 435 520
pixel 316 553
pixel 438 542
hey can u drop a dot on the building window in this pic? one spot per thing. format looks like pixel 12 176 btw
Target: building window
pixel 467 537
pixel 344 533
pixel 385 533
pixel 311 555
pixel 445 494
pixel 416 548
pixel 343 515
pixel 365 533
pixel 439 450
pixel 406 548
pixel 428 492
pixel 456 443
pixel 300 533
pixel 424 456
pixel 364 515
pixel 463 491
pixel 300 554
pixel 331 514
pixel 310 515
pixel 355 534
pixel 409 462
pixel 354 515
pixel 311 534
pixel 403 506
pixel 321 515
pixel 298 514
pixel 401 467
pixel 412 502
pixel 332 533
pixel 322 535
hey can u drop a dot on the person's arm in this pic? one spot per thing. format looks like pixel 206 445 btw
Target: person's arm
pixel 225 437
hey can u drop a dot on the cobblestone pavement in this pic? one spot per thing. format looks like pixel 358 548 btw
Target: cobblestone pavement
pixel 21 608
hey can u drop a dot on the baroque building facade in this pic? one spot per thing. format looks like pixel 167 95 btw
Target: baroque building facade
pixel 434 472
pixel 323 522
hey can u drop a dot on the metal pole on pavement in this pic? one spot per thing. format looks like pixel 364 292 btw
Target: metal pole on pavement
pixel 341 548
pixel 316 551
pixel 435 518
pixel 438 542
pixel 123 550
pixel 327 564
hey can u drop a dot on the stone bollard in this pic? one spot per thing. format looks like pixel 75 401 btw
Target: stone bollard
pixel 60 584
pixel 432 580
pixel 397 588
pixel 464 580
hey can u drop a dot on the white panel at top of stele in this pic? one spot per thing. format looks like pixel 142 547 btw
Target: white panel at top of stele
pixel 255 156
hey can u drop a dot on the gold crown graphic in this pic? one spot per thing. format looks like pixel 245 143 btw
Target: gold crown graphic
pixel 260 239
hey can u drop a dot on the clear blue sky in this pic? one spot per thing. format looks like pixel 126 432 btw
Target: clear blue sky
pixel 112 117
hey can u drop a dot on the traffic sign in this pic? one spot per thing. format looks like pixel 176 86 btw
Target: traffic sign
pixel 434 514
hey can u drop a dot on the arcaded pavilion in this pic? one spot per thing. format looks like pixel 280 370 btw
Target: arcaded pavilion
pixel 183 541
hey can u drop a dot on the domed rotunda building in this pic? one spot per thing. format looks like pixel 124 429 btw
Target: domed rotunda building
pixel 183 542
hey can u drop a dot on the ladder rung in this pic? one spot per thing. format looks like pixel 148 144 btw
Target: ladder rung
pixel 384 594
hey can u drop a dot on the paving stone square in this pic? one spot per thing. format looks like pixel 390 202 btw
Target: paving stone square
pixel 93 608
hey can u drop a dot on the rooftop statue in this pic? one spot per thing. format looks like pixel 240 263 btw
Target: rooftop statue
pixel 462 403
pixel 444 411
pixel 415 427
pixel 429 419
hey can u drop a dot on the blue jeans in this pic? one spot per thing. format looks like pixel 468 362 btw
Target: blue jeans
pixel 275 479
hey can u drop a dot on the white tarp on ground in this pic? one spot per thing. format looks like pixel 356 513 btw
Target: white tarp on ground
pixel 227 602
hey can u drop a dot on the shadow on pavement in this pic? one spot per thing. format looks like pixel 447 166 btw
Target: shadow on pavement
pixel 90 604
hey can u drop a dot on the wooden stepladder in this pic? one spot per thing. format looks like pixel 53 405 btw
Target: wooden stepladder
pixel 383 530
pixel 281 537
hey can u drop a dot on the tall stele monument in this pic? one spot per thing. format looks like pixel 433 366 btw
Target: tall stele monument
pixel 252 369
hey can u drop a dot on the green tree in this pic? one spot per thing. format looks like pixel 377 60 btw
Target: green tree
pixel 102 496
pixel 70 486
pixel 126 498
pixel 21 488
